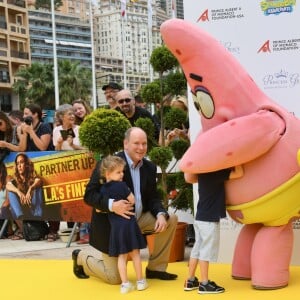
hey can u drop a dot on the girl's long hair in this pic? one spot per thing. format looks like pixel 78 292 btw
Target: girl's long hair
pixel 3 175
pixel 6 135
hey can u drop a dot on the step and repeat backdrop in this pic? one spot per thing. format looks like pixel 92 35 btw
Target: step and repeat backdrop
pixel 265 39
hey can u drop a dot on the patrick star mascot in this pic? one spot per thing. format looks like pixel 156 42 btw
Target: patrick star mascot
pixel 242 126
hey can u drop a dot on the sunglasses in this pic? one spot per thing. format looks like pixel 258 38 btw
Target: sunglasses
pixel 1 123
pixel 126 100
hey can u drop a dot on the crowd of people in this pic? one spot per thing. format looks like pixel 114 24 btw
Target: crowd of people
pixel 22 131
pixel 122 192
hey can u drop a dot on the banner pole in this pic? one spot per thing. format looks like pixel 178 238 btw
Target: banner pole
pixel 72 234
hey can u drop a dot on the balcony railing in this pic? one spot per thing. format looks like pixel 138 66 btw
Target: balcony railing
pixel 3 53
pixel 19 54
pixel 20 3
pixel 17 29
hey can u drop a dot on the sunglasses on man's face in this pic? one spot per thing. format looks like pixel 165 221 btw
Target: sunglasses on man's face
pixel 1 123
pixel 126 100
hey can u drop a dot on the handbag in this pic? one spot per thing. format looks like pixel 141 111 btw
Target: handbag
pixel 35 230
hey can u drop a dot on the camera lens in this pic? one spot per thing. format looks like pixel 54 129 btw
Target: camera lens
pixel 28 120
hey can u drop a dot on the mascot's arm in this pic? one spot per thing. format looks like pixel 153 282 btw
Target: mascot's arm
pixel 233 143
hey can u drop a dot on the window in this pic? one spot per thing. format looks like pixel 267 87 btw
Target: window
pixel 5 102
pixel 19 19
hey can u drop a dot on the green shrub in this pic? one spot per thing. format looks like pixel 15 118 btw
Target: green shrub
pixel 103 131
pixel 147 125
pixel 179 147
pixel 161 156
pixel 174 118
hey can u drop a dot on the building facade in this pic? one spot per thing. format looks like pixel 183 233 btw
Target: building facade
pixel 78 8
pixel 14 48
pixel 123 44
pixel 73 37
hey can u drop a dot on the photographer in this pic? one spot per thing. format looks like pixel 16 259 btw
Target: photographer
pixel 10 139
pixel 39 134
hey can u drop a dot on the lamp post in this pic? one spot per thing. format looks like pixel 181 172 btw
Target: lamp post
pixel 56 86
pixel 93 56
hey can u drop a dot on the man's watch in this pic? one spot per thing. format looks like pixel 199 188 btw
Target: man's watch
pixel 165 214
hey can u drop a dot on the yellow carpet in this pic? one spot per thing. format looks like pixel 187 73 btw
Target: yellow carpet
pixel 53 279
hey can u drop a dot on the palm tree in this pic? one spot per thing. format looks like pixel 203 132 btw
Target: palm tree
pixel 74 81
pixel 36 83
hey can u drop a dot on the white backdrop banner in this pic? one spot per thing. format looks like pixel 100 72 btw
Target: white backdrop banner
pixel 265 38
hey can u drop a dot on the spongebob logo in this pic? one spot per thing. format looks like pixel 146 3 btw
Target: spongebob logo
pixel 276 7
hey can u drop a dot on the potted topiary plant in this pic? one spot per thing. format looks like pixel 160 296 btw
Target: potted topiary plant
pixel 175 192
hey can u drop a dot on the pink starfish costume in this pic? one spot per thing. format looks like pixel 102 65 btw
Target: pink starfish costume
pixel 242 126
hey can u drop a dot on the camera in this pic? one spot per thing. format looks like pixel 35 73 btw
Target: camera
pixel 28 120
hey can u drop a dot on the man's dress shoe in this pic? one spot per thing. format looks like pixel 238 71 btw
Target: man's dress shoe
pixel 78 270
pixel 163 275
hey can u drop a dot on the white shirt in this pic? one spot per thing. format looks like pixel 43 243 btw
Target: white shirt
pixel 65 145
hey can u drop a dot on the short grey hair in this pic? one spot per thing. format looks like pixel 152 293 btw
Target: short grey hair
pixel 60 111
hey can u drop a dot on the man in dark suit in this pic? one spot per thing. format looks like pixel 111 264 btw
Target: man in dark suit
pixel 140 175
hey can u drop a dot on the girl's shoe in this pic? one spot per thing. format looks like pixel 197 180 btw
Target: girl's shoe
pixel 126 287
pixel 141 285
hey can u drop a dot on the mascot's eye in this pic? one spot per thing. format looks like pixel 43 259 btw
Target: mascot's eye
pixel 204 103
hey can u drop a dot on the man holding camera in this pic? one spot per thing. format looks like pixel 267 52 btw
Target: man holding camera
pixel 39 134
